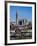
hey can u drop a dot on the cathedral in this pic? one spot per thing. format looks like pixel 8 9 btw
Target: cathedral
pixel 21 24
pixel 19 21
pixel 20 29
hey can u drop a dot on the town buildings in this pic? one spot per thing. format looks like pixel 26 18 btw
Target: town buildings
pixel 21 24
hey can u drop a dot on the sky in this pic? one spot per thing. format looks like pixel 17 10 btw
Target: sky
pixel 24 12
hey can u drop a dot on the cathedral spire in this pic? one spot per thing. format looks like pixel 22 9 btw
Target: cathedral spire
pixel 16 17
